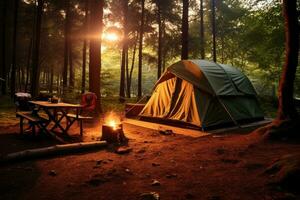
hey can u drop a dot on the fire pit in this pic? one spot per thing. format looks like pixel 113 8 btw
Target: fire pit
pixel 112 131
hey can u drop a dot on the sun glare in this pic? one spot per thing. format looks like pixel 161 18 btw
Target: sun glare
pixel 111 37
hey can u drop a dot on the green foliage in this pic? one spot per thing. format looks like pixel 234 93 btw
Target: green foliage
pixel 250 35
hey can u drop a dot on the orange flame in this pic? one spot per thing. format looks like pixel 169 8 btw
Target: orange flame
pixel 112 120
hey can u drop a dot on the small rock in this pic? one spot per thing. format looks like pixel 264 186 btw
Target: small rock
pixel 171 176
pixel 142 150
pixel 105 161
pixel 166 132
pixel 123 150
pixel 150 196
pixel 52 173
pixel 155 164
pixel 96 181
pixel 98 162
pixel 127 170
pixel 147 175
pixel 155 183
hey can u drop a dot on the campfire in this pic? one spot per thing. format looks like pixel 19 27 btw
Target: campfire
pixel 112 129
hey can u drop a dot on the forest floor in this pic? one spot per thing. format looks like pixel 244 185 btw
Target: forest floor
pixel 215 167
pixel 226 166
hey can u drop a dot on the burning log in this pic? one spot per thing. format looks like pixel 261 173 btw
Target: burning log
pixel 112 132
pixel 112 129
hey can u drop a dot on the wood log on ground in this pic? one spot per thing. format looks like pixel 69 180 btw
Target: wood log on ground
pixel 52 150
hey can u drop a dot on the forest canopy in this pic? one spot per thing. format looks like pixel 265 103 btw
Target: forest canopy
pixel 248 35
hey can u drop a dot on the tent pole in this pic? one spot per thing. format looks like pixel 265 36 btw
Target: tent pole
pixel 234 121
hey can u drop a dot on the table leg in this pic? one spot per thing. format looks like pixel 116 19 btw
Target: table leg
pixel 56 122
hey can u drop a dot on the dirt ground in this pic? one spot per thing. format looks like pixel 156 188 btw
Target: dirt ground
pixel 216 167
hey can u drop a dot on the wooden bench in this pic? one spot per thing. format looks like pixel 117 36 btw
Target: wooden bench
pixel 71 118
pixel 33 120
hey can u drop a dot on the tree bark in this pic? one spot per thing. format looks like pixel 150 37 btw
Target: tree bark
pixel 66 46
pixel 214 30
pixel 72 75
pixel 14 53
pixel 185 30
pixel 141 33
pixel 129 77
pixel 202 48
pixel 36 50
pixel 51 80
pixel 70 52
pixel 96 17
pixel 84 46
pixel 3 48
pixel 159 48
pixel 286 108
pixel 124 52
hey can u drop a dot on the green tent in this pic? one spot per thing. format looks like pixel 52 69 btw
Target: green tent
pixel 204 94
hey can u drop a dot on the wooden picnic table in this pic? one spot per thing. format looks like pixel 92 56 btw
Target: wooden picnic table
pixel 56 112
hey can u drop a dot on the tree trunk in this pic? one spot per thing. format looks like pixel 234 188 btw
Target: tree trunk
pixel 3 48
pixel 58 84
pixel 96 17
pixel 19 78
pixel 36 50
pixel 159 48
pixel 30 49
pixel 185 30
pixel 72 78
pixel 141 33
pixel 72 75
pixel 164 53
pixel 202 48
pixel 51 80
pixel 14 53
pixel 28 64
pixel 129 77
pixel 66 46
pixel 127 72
pixel 124 52
pixel 286 109
pixel 84 46
pixel 214 29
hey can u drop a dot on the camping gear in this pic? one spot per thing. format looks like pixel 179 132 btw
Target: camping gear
pixel 88 102
pixel 21 101
pixel 202 94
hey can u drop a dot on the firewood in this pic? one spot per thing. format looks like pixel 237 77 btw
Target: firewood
pixel 52 150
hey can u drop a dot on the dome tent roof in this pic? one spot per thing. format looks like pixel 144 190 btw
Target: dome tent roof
pixel 213 78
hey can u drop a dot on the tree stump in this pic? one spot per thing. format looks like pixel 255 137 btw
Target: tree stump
pixel 113 134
